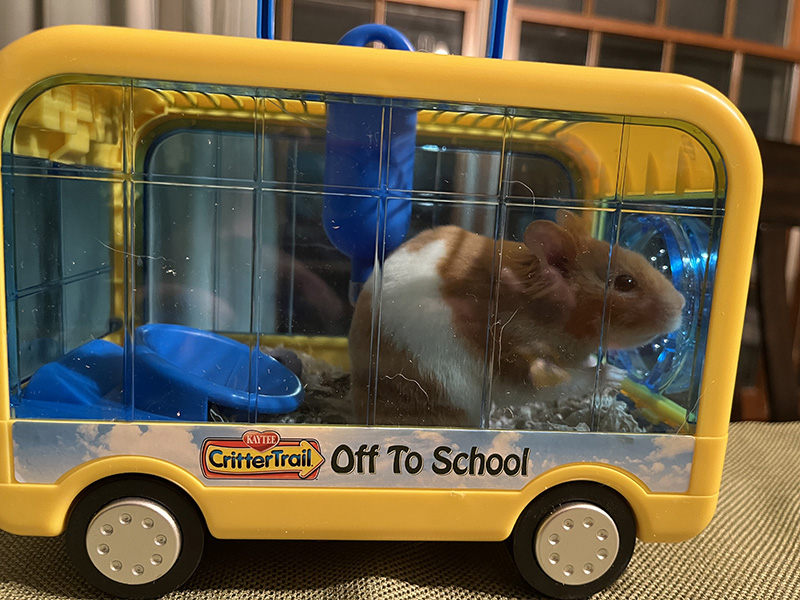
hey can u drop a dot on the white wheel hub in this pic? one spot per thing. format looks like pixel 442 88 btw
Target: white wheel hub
pixel 577 544
pixel 133 541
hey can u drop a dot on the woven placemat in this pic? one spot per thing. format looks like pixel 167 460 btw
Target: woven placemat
pixel 750 551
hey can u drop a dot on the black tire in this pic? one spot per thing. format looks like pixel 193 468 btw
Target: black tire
pixel 578 494
pixel 187 527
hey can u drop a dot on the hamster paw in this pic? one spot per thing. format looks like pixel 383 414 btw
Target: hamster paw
pixel 544 373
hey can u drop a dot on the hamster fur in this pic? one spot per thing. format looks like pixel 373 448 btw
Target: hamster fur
pixel 444 316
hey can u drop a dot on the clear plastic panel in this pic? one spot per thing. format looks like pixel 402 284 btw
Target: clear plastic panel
pixel 303 282
pixel 194 260
pixel 294 141
pixel 174 139
pixel 64 273
pixel 548 319
pixel 561 157
pixel 621 347
pixel 193 268
pixel 459 150
pixel 670 166
pixel 303 257
pixel 304 278
pixel 663 375
pixel 78 126
pixel 418 343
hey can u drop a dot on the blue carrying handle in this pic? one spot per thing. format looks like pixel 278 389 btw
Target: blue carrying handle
pixel 366 34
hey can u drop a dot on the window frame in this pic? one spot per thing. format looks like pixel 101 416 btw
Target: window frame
pixel 473 37
pixel 671 37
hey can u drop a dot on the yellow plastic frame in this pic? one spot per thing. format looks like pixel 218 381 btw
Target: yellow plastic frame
pixel 378 513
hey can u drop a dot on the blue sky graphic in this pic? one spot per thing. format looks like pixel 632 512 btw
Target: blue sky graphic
pixel 44 452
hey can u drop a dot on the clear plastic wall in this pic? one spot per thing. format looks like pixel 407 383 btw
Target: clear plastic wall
pixel 204 253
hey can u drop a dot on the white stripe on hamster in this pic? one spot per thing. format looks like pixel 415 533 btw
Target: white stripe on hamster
pixel 414 315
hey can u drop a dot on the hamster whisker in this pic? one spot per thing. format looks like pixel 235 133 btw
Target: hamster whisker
pixel 410 381
pixel 526 186
pixel 502 327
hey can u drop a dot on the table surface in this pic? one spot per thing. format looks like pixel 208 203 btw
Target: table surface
pixel 750 551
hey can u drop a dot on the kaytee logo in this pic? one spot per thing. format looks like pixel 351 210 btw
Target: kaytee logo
pixel 261 455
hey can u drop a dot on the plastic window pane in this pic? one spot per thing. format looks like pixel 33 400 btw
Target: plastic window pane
pixel 308 289
pixel 458 151
pixel 76 300
pixel 561 158
pixel 193 269
pixel 195 249
pixel 663 375
pixel 203 135
pixel 667 166
pixel 294 141
pixel 390 378
pixel 75 125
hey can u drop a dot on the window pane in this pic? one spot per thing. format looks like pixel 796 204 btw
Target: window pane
pixel 667 165
pixel 764 99
pixel 541 166
pixel 641 10
pixel 429 29
pixel 49 125
pixel 711 66
pixel 326 22
pixel 569 5
pixel 762 21
pixel 703 16
pixel 630 53
pixel 553 44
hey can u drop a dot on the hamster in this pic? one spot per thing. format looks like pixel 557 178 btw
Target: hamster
pixel 452 304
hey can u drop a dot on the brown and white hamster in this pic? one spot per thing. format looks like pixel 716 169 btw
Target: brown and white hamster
pixel 451 301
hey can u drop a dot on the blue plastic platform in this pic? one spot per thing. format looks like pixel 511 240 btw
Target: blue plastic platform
pixel 85 384
pixel 180 373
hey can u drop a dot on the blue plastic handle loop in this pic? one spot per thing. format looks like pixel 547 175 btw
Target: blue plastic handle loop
pixel 369 169
pixel 366 34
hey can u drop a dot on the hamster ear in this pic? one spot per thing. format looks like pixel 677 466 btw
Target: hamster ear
pixel 575 223
pixel 552 244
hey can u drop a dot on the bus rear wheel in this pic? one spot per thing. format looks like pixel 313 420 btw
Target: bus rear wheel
pixel 135 538
pixel 574 540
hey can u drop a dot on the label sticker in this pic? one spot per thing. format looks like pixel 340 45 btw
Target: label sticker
pixel 229 455
pixel 261 455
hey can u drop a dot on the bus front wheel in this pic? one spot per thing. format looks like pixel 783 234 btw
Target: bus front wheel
pixel 135 538
pixel 574 540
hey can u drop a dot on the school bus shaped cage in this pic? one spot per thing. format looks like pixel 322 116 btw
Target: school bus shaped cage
pixel 357 285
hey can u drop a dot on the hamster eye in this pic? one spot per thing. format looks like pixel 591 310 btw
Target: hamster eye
pixel 624 283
